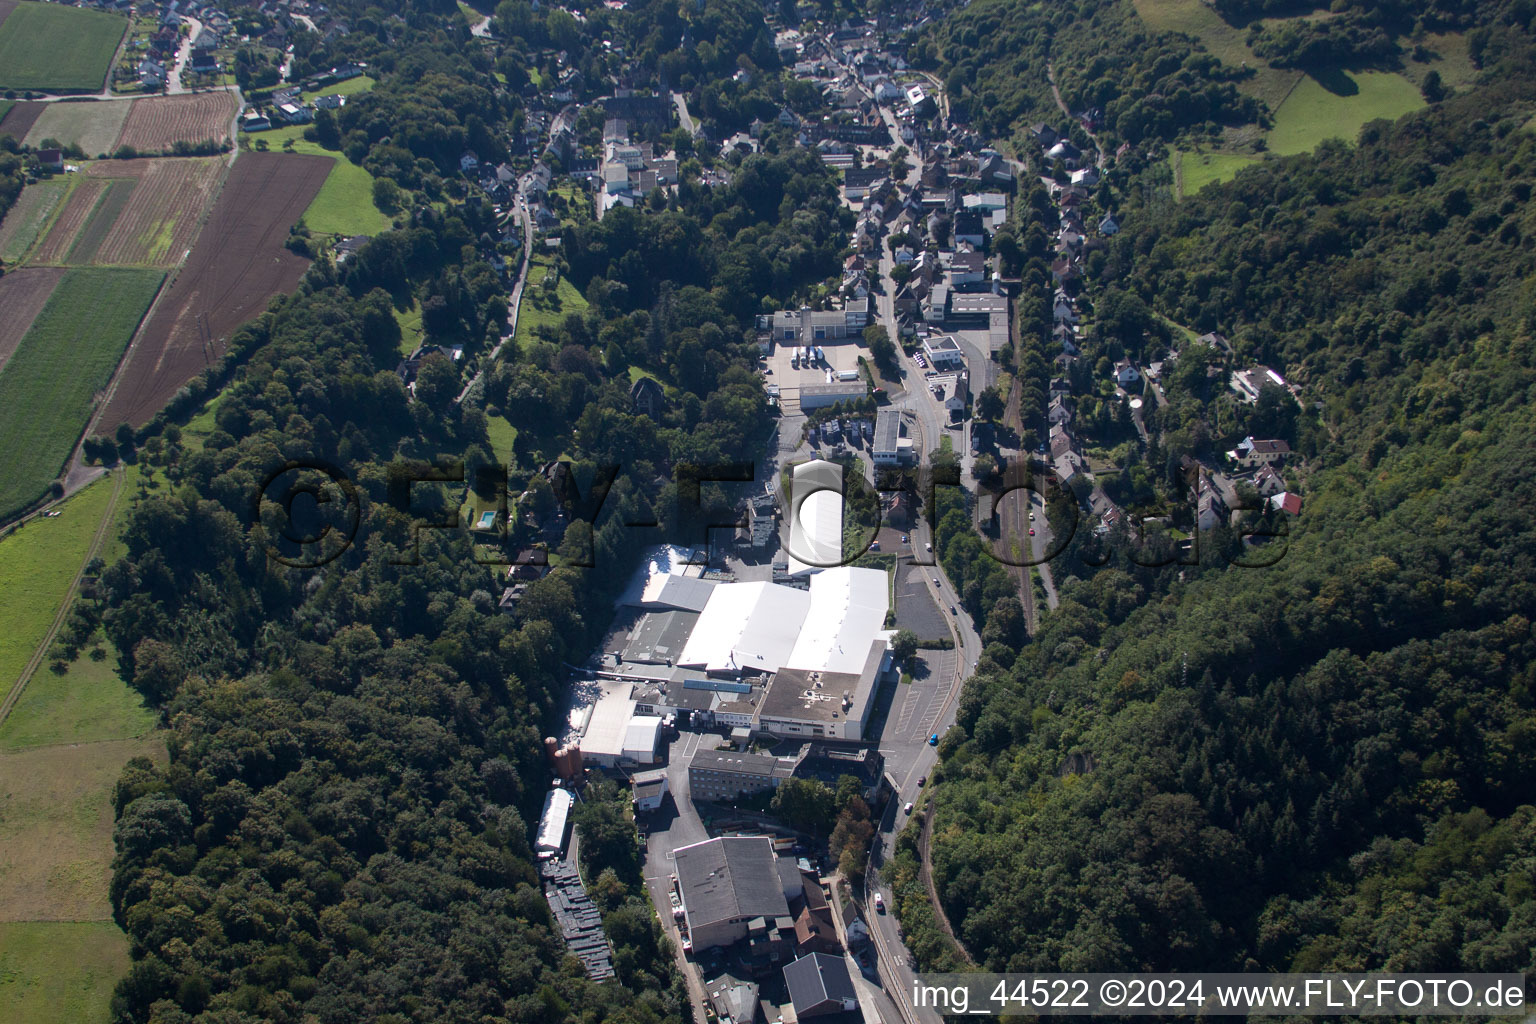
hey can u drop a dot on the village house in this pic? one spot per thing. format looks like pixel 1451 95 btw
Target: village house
pixel 1251 453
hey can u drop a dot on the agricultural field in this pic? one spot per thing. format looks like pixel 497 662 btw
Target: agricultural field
pixel 1312 113
pixel 20 117
pixel 1194 171
pixel 55 971
pixel 37 563
pixel 23 293
pixel 158 222
pixel 344 205
pixel 77 207
pixel 92 125
pixel 108 209
pixel 85 326
pixel 28 218
pixel 155 124
pixel 131 213
pixel 54 48
pixel 56 827
pixel 237 264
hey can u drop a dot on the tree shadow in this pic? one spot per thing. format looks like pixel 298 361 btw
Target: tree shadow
pixel 1335 81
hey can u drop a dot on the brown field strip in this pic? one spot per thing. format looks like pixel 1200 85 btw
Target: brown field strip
pixel 6 7
pixel 159 220
pixel 237 264
pixel 22 295
pixel 157 123
pixel 119 190
pixel 20 119
pixel 71 219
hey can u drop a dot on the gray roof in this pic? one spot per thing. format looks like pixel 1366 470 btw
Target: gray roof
pixel 887 430
pixel 817 978
pixel 659 636
pixel 742 763
pixel 729 877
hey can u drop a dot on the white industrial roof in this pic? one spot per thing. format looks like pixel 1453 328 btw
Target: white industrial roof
pixel 816 523
pixel 847 611
pixel 640 738
pixel 765 627
pixel 557 806
pixel 746 626
pixel 650 578
pixel 608 721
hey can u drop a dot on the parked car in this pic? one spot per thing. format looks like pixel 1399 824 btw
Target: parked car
pixel 933 740
pixel 922 780
pixel 879 904
pixel 907 809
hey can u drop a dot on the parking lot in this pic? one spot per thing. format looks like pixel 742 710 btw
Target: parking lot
pixel 915 607
pixel 840 354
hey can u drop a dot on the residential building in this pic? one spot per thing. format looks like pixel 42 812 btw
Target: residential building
pixel 647 397
pixel 819 984
pixel 1251 452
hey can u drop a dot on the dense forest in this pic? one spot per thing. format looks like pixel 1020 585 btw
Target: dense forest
pixel 1326 764
pixel 995 56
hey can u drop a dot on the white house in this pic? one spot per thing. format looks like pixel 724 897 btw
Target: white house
pixel 1126 373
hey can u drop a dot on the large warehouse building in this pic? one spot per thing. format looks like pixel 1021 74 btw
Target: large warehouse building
pixel 826 648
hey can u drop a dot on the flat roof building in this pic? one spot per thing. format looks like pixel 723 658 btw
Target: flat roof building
pixel 642 737
pixel 887 450
pixel 817 702
pixel 819 396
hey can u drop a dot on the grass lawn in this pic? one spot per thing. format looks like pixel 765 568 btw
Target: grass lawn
pixel 351 87
pixel 53 47
pixel 503 435
pixel 88 703
pixel 37 562
pixel 1311 113
pixel 85 326
pixel 1447 55
pixel 344 204
pixel 56 827
pixel 33 211
pixel 410 329
pixel 538 308
pixel 5 108
pixel 1197 170
pixel 54 971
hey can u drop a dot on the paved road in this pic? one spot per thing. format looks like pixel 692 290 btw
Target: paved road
pixel 675 825
pixel 683 117
pixel 515 301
